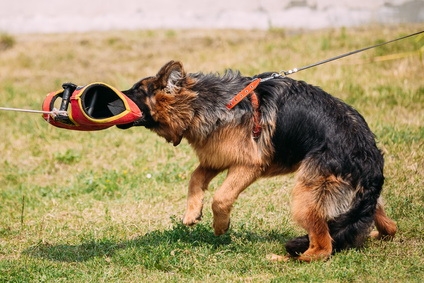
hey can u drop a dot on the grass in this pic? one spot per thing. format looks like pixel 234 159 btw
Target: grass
pixel 6 41
pixel 105 206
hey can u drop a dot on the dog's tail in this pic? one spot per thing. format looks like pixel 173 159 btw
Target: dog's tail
pixel 350 229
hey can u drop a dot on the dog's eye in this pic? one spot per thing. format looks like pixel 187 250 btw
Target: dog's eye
pixel 140 92
pixel 136 86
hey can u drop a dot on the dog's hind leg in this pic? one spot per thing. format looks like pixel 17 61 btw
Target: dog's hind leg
pixel 199 182
pixel 238 178
pixel 307 213
pixel 386 227
pixel 314 198
pixel 295 247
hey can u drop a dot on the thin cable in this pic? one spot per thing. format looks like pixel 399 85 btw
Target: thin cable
pixel 295 70
pixel 54 111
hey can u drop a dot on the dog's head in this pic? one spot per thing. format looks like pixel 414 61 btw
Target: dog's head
pixel 165 101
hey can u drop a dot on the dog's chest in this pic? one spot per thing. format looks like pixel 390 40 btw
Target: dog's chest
pixel 227 147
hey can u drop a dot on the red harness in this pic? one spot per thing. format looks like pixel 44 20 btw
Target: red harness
pixel 255 103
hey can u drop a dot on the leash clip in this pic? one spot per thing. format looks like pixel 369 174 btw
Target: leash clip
pixel 290 72
pixel 272 76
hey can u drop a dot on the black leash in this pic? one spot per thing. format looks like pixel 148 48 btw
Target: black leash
pixel 295 70
pixel 254 83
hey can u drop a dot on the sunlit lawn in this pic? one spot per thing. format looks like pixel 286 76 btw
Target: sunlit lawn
pixel 106 206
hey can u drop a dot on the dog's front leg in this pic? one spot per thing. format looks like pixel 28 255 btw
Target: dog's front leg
pixel 238 178
pixel 199 182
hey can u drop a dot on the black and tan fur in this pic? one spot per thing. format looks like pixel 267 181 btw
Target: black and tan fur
pixel 336 198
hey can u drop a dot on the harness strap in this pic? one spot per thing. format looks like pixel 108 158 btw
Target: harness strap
pixel 255 103
pixel 257 128
pixel 243 93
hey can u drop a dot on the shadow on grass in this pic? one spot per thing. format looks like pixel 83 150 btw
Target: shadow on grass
pixel 179 238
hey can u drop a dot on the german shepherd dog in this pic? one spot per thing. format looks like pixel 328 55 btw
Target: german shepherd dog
pixel 282 126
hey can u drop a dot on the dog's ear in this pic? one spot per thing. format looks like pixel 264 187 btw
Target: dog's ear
pixel 171 76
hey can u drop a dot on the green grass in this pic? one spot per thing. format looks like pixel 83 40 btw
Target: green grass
pixel 106 206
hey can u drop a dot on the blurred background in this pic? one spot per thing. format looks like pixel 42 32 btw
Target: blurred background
pixel 46 16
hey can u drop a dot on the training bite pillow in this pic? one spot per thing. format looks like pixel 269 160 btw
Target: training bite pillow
pixel 96 106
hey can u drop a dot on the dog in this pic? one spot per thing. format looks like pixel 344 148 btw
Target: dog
pixel 281 126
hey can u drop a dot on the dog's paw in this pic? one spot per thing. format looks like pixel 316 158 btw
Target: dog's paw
pixel 221 226
pixel 274 257
pixel 314 255
pixel 375 235
pixel 191 219
pixel 378 236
